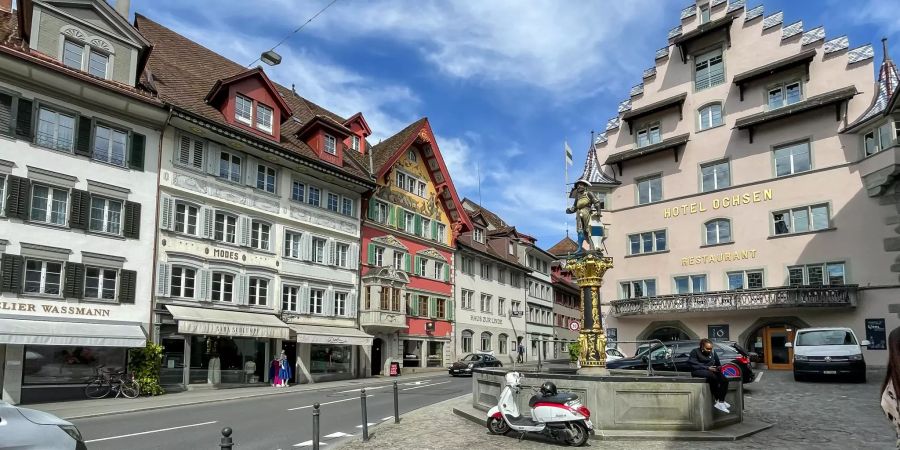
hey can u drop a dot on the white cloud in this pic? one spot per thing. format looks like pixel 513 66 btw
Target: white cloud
pixel 880 13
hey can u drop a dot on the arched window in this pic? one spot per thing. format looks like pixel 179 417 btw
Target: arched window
pixel 485 341
pixel 718 231
pixel 467 341
pixel 502 344
pixel 710 116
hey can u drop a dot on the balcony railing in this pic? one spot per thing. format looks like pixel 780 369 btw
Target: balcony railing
pixel 780 297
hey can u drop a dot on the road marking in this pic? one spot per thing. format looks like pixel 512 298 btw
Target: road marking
pixel 426 385
pixel 151 431
pixel 387 418
pixel 308 444
pixel 337 435
pixel 758 376
pixel 360 426
pixel 368 389
pixel 326 403
pixel 416 383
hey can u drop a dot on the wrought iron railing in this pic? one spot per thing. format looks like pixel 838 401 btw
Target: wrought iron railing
pixel 779 297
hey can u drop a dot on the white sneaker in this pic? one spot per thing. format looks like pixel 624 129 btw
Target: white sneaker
pixel 721 407
pixel 727 405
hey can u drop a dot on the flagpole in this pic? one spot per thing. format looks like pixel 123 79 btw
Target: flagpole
pixel 566 183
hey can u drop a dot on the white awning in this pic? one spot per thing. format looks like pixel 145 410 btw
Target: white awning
pixel 331 335
pixel 92 334
pixel 218 322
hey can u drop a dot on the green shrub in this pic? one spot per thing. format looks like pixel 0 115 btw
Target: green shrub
pixel 574 351
pixel 145 363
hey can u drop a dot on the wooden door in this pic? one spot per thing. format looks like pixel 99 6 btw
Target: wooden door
pixel 778 357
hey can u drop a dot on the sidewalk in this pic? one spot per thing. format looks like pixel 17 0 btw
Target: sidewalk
pixel 80 409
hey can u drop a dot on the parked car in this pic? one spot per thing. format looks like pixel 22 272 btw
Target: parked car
pixel 613 354
pixel 673 357
pixel 30 429
pixel 831 352
pixel 473 361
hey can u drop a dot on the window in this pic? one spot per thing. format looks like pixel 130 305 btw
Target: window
pixel 710 116
pixel 265 178
pixel 2 194
pixel 297 191
pixel 183 279
pixel 225 228
pixel 426 227
pixel 190 152
pixel 486 271
pixel 186 218
pixel 784 94
pixel 467 341
pixel 485 341
pixel 466 265
pixel 340 303
pixel 110 145
pixel 381 212
pixel 292 244
pixel 316 301
pixel 354 142
pixel 43 277
pixel 750 279
pixel 799 220
pixel 793 158
pixel 423 267
pixel 649 242
pixel 515 280
pixel 314 196
pixel 718 231
pixel 318 250
pixel 704 14
pixel 420 189
pixel 401 180
pixel 501 306
pixel 479 235
pixel 409 222
pixel 289 296
pixel 333 202
pixel 411 155
pixel 73 54
pixel 649 190
pixel 222 287
pixel 817 274
pixel 466 297
pixel 690 284
pixel 438 270
pixel 243 109
pixel 716 175
pixel 100 283
pixel 440 308
pixel 330 145
pixel 259 235
pixel 379 257
pixel 501 275
pixel 49 204
pixel 648 135
pixel 106 215
pixel 485 303
pixel 56 130
pixel 264 118
pixel 399 260
pixel 639 288
pixel 230 167
pixel 98 64
pixel 709 70
pixel 347 207
pixel 342 255
pixel 259 289
pixel 879 138
pixel 502 344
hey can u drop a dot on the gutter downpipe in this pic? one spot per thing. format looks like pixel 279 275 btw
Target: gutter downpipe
pixel 162 135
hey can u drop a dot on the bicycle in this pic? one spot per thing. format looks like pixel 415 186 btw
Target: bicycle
pixel 107 381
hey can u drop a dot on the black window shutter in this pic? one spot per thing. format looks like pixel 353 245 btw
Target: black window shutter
pixel 83 142
pixel 10 272
pixel 17 195
pixel 6 114
pixel 136 157
pixel 132 228
pixel 74 287
pixel 24 119
pixel 127 286
pixel 80 209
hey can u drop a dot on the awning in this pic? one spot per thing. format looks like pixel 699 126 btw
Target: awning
pixel 218 322
pixel 313 334
pixel 92 334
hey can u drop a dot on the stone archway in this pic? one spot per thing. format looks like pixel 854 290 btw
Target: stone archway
pixel 750 332
pixel 655 326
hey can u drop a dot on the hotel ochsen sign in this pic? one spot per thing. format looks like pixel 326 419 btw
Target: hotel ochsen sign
pixel 718 203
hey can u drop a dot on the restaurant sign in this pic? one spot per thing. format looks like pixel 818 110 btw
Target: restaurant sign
pixel 718 203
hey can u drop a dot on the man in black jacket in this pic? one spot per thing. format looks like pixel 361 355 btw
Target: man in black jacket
pixel 704 363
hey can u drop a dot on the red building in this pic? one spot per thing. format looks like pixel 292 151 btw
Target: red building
pixel 408 240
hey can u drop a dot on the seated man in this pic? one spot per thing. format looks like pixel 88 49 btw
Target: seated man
pixel 704 363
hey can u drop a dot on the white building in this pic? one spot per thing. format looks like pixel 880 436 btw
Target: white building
pixel 78 171
pixel 539 313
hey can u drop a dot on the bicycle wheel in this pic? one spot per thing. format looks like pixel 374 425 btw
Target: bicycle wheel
pixel 97 388
pixel 130 388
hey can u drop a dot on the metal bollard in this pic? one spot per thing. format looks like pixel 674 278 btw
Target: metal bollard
pixel 226 443
pixel 365 416
pixel 315 427
pixel 396 405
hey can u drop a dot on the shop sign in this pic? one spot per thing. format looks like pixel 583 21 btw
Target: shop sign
pixel 718 333
pixel 876 334
pixel 718 257
pixel 485 319
pixel 66 310
pixel 228 329
pixel 724 202
pixel 232 255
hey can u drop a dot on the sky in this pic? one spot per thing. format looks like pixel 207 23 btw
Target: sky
pixel 504 83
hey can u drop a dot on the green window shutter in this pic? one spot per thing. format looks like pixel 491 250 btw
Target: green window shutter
pixel 447 273
pixel 418 225
pixel 451 312
pixel 414 304
pixel 11 272
pixel 74 287
pixel 434 235
pixel 127 286
pixel 392 215
pixel 406 262
pixel 79 209
pixel 85 130
pixel 372 208
pixel 416 268
pixel 371 254
pixel 132 228
pixel 18 193
pixel 24 119
pixel 432 307
pixel 138 149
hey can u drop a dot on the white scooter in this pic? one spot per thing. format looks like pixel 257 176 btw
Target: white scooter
pixel 558 415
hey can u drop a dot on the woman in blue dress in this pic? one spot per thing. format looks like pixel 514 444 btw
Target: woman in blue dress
pixel 285 372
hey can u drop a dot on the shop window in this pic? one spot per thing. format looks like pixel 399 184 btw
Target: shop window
pixel 259 290
pixel 745 279
pixel 236 357
pixel 793 158
pixel 690 284
pixel 55 364
pixel 467 341
pixel 648 242
pixel 49 204
pixel 330 359
pixel 106 215
pixel 222 287
pixel 718 231
pixel 799 220
pixel 225 227
pixel 100 283
pixel 186 218
pixel 485 341
pixel 316 301
pixel 182 282
pixel 43 277
pixel 831 274
pixel 638 288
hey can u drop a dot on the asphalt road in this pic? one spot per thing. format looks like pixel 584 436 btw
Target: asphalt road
pixel 269 422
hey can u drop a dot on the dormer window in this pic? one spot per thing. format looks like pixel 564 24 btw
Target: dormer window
pixel 243 109
pixel 91 54
pixel 479 235
pixel 648 135
pixel 411 155
pixel 73 54
pixel 330 145
pixel 264 118
pixel 98 64
pixel 354 143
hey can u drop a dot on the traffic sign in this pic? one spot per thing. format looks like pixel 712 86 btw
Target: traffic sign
pixel 574 325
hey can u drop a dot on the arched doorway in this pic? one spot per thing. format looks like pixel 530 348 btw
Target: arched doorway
pixel 667 334
pixel 767 336
pixel 376 356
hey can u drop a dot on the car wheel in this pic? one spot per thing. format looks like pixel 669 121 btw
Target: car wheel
pixel 859 378
pixel 798 377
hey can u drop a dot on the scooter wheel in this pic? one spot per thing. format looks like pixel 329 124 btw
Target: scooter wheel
pixel 579 434
pixel 496 425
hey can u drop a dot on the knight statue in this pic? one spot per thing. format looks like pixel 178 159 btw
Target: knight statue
pixel 586 206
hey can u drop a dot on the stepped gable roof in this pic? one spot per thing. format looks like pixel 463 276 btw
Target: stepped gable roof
pixel 183 72
pixel 564 247
pixel 886 90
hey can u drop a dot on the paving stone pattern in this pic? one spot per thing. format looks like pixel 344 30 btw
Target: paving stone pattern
pixel 813 415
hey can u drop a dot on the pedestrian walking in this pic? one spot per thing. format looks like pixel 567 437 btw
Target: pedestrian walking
pixel 521 358
pixel 891 383
pixel 704 363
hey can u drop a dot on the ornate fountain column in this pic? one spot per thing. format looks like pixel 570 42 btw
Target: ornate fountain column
pixel 589 270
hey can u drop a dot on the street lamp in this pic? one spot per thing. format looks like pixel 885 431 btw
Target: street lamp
pixel 271 58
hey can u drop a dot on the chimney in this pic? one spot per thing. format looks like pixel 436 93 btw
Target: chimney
pixel 884 47
pixel 122 7
pixel 6 5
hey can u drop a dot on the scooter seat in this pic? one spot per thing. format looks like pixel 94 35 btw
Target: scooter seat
pixel 560 398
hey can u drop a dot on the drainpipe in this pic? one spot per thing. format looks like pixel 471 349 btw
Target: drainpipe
pixel 155 228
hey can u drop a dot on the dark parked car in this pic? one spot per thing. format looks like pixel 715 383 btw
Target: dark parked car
pixel 673 356
pixel 473 361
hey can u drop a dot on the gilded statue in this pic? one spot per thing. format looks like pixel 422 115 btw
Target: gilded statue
pixel 586 206
pixel 601 346
pixel 583 344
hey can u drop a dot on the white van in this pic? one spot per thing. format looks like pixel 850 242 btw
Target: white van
pixel 830 352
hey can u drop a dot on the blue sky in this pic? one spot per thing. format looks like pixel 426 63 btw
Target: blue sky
pixel 504 82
